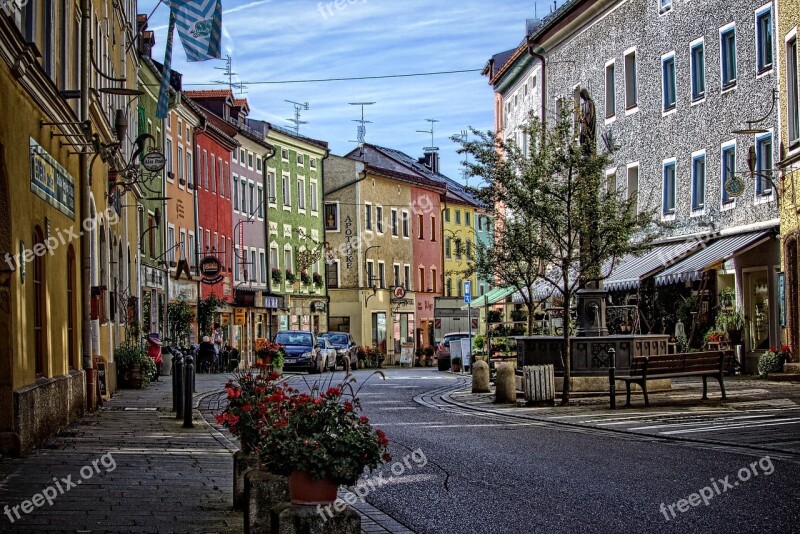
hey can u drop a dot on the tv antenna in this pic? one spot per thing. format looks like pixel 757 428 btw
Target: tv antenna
pixel 298 107
pixel 463 137
pixel 362 123
pixel 228 68
pixel 431 148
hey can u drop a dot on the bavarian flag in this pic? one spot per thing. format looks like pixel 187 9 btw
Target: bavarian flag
pixel 199 24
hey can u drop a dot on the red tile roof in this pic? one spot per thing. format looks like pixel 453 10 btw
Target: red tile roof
pixel 209 93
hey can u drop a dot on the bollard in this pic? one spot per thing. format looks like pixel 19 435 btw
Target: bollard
pixel 178 390
pixel 480 377
pixel 505 385
pixel 612 376
pixel 188 370
pixel 194 377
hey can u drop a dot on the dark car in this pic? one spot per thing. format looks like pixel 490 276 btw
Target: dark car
pixel 345 347
pixel 303 352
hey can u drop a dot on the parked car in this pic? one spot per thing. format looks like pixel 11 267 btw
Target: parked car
pixel 443 349
pixel 328 352
pixel 345 347
pixel 303 351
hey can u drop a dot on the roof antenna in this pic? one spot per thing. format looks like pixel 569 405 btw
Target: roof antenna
pixel 298 107
pixel 228 68
pixel 362 123
pixel 430 148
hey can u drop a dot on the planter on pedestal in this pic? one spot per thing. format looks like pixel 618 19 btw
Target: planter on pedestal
pixel 243 462
pixel 303 489
pixel 263 491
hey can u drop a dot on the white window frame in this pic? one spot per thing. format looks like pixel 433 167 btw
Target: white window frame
pixel 369 221
pixel 285 155
pixel 792 90
pixel 286 192
pixel 630 110
pixel 612 116
pixel 697 43
pixel 394 223
pixel 613 172
pixel 272 184
pixel 669 216
pixel 760 11
pixel 664 6
pixel 313 187
pixel 628 167
pixel 674 108
pixel 732 85
pixel 338 217
pixel 731 204
pixel 696 212
pixel 405 224
pixel 301 194
pixel 763 198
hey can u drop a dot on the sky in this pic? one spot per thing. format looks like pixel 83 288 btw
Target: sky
pixel 277 40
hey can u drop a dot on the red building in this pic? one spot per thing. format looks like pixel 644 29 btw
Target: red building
pixel 214 141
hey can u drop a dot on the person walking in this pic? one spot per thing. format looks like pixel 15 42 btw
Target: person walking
pixel 154 352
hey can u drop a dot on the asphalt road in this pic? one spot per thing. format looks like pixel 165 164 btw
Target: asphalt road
pixel 477 473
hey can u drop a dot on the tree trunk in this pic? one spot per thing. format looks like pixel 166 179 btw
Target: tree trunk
pixel 530 306
pixel 567 351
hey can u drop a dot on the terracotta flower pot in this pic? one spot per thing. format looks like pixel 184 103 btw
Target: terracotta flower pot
pixel 303 489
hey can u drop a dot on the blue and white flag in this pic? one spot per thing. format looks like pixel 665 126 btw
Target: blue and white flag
pixel 162 110
pixel 199 25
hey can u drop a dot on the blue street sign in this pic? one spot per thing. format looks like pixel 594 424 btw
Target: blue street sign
pixel 467 292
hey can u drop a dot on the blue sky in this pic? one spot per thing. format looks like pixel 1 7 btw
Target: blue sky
pixel 308 39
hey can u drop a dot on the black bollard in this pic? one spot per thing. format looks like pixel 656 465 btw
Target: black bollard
pixel 188 368
pixel 612 376
pixel 178 390
pixel 176 398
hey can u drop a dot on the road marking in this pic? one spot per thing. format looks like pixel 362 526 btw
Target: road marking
pixel 732 427
pixel 720 420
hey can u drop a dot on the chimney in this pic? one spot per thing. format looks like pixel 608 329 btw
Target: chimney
pixel 431 160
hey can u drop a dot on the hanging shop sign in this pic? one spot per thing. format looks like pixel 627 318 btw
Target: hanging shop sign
pixel 317 306
pixel 154 161
pixel 210 268
pixel 51 182
pixel 239 316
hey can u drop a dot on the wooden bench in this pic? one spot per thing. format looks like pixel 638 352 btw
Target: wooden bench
pixel 702 364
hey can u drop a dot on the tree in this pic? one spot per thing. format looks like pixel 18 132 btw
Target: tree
pixel 557 219
pixel 206 309
pixel 180 318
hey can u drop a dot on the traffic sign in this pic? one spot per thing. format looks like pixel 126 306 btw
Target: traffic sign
pixel 467 292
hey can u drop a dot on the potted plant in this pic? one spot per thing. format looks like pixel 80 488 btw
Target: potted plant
pixel 714 336
pixel 784 354
pixel 494 316
pixel 428 352
pixel 277 275
pixel 305 278
pixel 519 316
pixel 770 362
pixel 290 276
pixel 455 364
pixel 318 280
pixel 134 368
pixel 731 321
pixel 419 357
pixel 319 440
pixel 270 355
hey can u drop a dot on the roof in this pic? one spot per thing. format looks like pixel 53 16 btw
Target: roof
pixel 209 93
pixel 264 127
pixel 221 128
pixel 407 177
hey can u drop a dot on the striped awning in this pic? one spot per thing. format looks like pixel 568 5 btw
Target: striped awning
pixel 631 270
pixel 492 297
pixel 542 290
pixel 722 249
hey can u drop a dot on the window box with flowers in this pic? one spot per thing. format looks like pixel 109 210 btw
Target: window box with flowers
pixel 291 278
pixel 317 277
pixel 277 275
pixel 305 278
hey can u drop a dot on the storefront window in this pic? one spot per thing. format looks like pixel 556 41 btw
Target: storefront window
pixel 759 310
pixel 379 331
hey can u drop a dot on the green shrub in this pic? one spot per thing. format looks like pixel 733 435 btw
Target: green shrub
pixel 769 363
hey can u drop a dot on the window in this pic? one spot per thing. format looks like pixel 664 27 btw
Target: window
pixel 458 216
pixel 252 209
pixel 312 163
pixel 396 269
pixel 242 156
pixel 189 170
pixel 260 201
pixel 368 216
pixel 168 154
pixel 332 217
pixel 287 259
pixel 448 287
pixel 370 273
pixel 480 223
pixel 433 228
pixel 434 279
pixel 273 258
pixel 394 222
pixel 664 5
pixel 171 243
pixel 258 164
pixel 301 194
pixel 284 154
pixel 332 274
pixel 764 40
pixel 253 271
pixel 631 91
pixel 182 245
pixel 379 218
pixel 213 175
pixel 469 250
pixel 263 271
pixel 250 160
pixel 420 226
pixel 728 56
pixel 272 187
pixel 697 59
pixel 180 165
pixel 192 250
pixel 447 215
pixel 447 247
pixel 314 202
pixel 204 178
pixel 458 248
pixel 421 286
pixel 300 159
pixel 728 170
pixel 792 91
pixel 236 274
pixel 287 193
pixel 632 180
pixel 611 89
pixel 406 224
pixel 234 155
pixel 668 79
pixel 698 181
pixel 668 203
pixel 244 196
pixel 221 177
pixel 467 219
pixel 763 164
pixel 407 277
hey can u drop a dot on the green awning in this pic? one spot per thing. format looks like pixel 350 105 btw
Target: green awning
pixel 492 297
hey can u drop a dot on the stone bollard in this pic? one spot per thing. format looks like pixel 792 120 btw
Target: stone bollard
pixel 505 385
pixel 335 518
pixel 262 491
pixel 242 464
pixel 480 377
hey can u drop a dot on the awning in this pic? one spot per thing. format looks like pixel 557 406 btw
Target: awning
pixel 542 289
pixel 631 269
pixel 492 297
pixel 717 252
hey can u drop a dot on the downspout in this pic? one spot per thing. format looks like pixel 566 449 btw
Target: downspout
pixel 267 156
pixel 544 84
pixel 85 170
pixel 196 175
pixel 324 240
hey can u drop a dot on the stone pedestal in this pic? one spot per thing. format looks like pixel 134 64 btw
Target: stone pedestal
pixel 480 377
pixel 336 518
pixel 263 491
pixel 242 463
pixel 505 385
pixel 591 304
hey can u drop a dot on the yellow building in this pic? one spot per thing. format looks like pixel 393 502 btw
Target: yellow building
pixel 48 140
pixel 458 216
pixel 787 33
